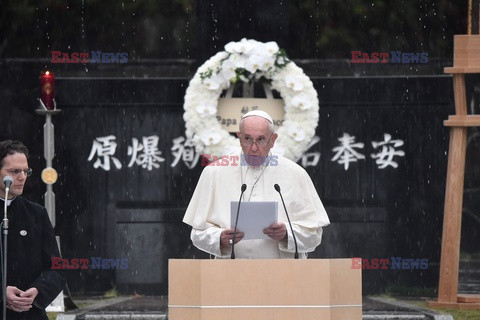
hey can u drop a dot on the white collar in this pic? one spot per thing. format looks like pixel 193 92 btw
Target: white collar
pixel 9 201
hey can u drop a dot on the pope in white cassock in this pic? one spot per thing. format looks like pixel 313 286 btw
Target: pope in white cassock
pixel 209 209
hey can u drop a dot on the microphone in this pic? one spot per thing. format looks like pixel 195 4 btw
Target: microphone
pixel 277 187
pixel 7 181
pixel 244 187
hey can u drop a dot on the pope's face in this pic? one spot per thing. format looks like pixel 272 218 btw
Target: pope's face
pixel 256 139
pixel 16 161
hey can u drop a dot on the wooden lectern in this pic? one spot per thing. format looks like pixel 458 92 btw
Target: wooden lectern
pixel 281 289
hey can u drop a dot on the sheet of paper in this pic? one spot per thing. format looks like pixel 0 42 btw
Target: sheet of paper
pixel 254 216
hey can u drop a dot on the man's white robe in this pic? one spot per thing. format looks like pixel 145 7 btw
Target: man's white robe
pixel 220 183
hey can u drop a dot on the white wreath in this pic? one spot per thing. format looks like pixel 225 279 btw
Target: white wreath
pixel 247 61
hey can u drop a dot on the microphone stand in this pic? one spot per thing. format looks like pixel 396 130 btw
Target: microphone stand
pixel 244 187
pixel 4 260
pixel 277 187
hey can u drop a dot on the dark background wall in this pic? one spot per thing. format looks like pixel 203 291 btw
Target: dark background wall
pixel 135 213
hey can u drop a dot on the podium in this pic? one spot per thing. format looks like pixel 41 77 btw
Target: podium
pixel 280 289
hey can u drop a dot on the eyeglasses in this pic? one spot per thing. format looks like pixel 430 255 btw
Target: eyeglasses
pixel 260 142
pixel 16 172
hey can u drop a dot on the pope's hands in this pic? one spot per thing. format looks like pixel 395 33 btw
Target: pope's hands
pixel 276 231
pixel 18 300
pixel 226 237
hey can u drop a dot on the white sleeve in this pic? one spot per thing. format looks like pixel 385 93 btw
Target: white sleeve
pixel 208 240
pixel 307 239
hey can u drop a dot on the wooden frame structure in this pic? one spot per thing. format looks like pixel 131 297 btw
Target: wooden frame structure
pixel 466 60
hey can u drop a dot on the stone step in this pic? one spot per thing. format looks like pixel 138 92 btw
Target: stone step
pixel 380 315
pixel 126 316
pixel 380 308
pixel 155 308
pixel 469 276
pixel 151 316
pixel 384 315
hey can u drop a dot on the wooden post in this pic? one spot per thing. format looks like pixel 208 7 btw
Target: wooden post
pixel 452 220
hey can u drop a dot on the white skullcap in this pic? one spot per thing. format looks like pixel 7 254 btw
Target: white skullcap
pixel 258 113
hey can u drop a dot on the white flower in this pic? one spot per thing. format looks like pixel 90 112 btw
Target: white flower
pixel 210 137
pixel 301 101
pixel 206 110
pixel 271 47
pixel 296 132
pixel 281 60
pixel 228 70
pixel 232 47
pixel 253 63
pixel 215 82
pixel 244 46
pixel 238 61
pixel 267 62
pixel 259 62
pixel 294 82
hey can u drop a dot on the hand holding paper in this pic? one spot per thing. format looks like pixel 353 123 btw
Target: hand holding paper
pixel 276 231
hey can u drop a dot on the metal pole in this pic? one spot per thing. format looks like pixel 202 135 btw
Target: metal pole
pixel 49 174
pixel 49 153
